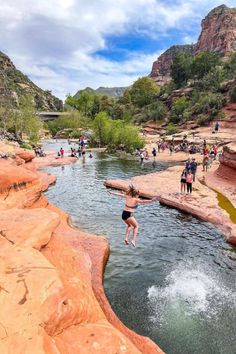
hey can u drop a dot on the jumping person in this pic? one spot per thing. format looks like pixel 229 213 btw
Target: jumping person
pixel 132 201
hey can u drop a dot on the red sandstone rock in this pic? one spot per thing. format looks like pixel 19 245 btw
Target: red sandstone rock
pixel 24 228
pixel 47 298
pixel 19 187
pixel 24 154
pixel 228 158
pixel 218 35
pixel 161 69
pixel 218 31
pixel 31 292
pixel 11 176
pixel 52 160
pixel 99 337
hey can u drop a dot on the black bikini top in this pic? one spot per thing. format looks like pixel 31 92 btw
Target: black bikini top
pixel 132 207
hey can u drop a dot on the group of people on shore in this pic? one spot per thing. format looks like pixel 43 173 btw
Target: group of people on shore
pixel 209 154
pixel 39 151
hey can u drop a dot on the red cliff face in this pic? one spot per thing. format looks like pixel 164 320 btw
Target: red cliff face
pixel 161 68
pixel 218 35
pixel 218 31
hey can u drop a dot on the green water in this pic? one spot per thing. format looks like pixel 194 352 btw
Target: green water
pixel 178 286
pixel 223 202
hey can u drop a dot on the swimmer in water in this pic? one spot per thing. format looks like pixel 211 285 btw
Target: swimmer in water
pixel 132 201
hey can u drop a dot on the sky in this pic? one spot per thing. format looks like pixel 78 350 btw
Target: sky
pixel 67 45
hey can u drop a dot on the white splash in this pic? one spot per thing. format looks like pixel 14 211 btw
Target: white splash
pixel 189 290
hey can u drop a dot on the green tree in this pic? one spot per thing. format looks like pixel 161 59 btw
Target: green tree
pixel 82 102
pixel 232 94
pixel 72 101
pixel 178 108
pixel 85 101
pixel 126 98
pixel 181 68
pixel 211 80
pixel 101 127
pixel 143 91
pixel 74 121
pixel 95 109
pixel 230 66
pixel 203 63
pixel 24 119
pixel 157 111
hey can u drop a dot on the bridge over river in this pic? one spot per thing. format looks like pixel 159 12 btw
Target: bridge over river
pixel 46 116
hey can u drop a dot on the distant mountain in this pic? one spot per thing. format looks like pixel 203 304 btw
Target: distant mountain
pixel 218 35
pixel 112 92
pixel 13 84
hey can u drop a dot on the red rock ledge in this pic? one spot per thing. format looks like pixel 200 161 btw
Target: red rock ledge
pixel 51 294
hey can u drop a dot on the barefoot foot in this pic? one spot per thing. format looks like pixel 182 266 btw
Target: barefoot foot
pixel 133 243
pixel 126 242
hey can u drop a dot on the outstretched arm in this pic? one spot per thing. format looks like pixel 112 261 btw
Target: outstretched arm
pixel 146 201
pixel 117 193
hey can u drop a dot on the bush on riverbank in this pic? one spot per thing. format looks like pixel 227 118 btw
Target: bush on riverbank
pixel 116 133
pixel 21 121
pixel 71 123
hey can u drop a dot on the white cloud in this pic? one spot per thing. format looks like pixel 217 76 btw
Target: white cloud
pixel 55 42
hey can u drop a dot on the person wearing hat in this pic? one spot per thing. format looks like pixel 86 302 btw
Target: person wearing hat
pixel 193 168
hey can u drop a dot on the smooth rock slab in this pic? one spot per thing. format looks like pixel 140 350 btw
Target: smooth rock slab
pixel 25 227
pixel 31 290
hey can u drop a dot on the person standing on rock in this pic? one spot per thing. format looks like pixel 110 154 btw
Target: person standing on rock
pixel 154 153
pixel 217 126
pixel 141 157
pixel 183 180
pixel 205 163
pixel 193 168
pixel 62 152
pixel 189 181
pixel 132 201
pixel 188 164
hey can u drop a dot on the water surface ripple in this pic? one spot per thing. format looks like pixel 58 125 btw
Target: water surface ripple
pixel 178 286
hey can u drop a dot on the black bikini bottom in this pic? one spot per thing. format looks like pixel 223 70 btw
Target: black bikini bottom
pixel 126 215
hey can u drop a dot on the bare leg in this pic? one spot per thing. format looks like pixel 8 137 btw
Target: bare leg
pixel 128 229
pixel 134 223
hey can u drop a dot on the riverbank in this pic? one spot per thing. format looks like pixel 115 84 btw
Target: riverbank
pixel 49 304
pixel 204 201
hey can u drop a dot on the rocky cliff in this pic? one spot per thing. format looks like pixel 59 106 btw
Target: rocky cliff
pixel 161 68
pixel 218 31
pixel 13 84
pixel 218 34
pixel 51 294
